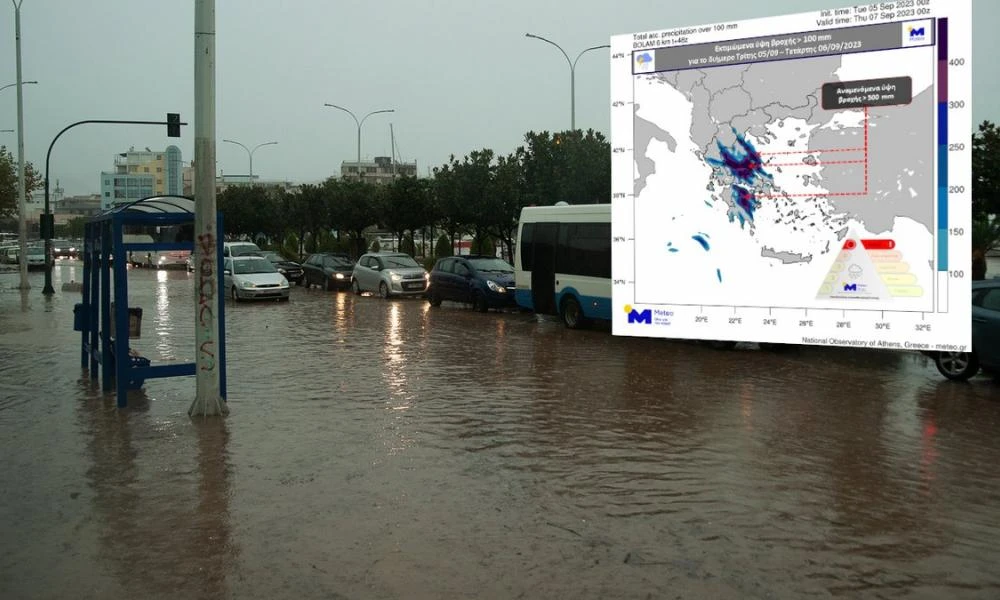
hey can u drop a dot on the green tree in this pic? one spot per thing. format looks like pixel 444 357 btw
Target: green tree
pixel 571 166
pixel 355 206
pixel 443 247
pixel 404 206
pixel 73 229
pixel 985 195
pixel 8 182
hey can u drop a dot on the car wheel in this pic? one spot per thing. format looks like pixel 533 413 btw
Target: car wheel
pixel 235 295
pixel 434 299
pixel 355 287
pixel 383 290
pixel 572 314
pixel 479 303
pixel 957 366
pixel 327 285
pixel 303 281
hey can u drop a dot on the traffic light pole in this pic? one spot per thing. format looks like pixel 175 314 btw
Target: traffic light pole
pixel 47 224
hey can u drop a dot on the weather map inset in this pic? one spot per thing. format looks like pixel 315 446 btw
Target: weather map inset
pixel 788 163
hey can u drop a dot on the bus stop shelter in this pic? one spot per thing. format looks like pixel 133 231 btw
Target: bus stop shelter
pixel 104 318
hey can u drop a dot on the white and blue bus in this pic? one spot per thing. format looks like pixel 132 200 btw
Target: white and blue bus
pixel 562 262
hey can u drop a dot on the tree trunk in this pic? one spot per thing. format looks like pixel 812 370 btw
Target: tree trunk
pixel 978 264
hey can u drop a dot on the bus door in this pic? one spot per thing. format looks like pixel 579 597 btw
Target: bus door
pixel 543 268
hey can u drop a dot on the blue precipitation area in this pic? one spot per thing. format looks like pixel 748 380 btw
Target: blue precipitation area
pixel 744 163
pixel 702 239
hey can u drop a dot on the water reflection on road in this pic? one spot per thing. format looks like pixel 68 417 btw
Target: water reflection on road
pixel 388 449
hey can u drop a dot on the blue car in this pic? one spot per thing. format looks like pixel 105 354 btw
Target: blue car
pixel 485 282
pixel 985 354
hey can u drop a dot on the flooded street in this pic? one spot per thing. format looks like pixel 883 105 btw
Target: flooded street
pixel 388 449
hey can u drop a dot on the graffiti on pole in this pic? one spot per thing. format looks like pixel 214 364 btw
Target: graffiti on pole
pixel 207 288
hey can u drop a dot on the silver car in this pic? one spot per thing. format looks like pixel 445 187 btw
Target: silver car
pixel 389 274
pixel 253 277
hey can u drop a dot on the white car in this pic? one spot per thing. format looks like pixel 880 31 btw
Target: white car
pixel 253 277
pixel 36 256
pixel 389 274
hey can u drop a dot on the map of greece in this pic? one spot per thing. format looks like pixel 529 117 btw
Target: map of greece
pixel 796 183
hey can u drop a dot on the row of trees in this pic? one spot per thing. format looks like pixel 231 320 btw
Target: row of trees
pixel 985 195
pixel 480 194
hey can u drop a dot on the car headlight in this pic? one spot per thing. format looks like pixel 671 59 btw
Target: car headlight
pixel 284 283
pixel 338 275
pixel 395 277
pixel 248 284
pixel 282 271
pixel 496 287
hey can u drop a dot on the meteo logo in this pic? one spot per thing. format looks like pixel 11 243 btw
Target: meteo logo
pixel 850 287
pixel 916 33
pixel 639 316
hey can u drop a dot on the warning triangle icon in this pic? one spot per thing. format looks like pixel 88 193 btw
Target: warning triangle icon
pixel 853 275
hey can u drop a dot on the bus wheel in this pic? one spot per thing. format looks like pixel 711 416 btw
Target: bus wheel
pixel 572 315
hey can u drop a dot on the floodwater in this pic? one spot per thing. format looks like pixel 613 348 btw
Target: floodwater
pixel 387 449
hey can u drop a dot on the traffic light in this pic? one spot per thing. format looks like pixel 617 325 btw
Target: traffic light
pixel 46 226
pixel 173 125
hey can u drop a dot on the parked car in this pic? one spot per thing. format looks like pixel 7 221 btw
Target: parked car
pixel 239 249
pixel 289 268
pixel 389 274
pixel 483 281
pixel 36 255
pixel 329 270
pixel 985 351
pixel 253 277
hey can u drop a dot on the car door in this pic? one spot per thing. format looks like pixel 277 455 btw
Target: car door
pixel 986 328
pixel 441 278
pixel 364 273
pixel 309 268
pixel 227 274
pixel 462 279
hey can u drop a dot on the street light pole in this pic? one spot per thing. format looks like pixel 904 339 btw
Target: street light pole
pixel 359 124
pixel 22 225
pixel 572 74
pixel 10 85
pixel 250 152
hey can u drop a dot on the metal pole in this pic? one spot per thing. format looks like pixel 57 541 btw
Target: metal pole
pixel 251 157
pixel 208 401
pixel 572 80
pixel 22 224
pixel 359 123
pixel 572 74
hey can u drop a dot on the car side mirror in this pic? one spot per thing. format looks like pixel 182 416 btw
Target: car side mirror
pixel 226 272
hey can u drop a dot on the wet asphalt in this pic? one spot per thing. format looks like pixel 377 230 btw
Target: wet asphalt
pixel 389 449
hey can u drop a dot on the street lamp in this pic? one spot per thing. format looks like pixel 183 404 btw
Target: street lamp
pixel 360 123
pixel 14 84
pixel 572 74
pixel 250 152
pixel 22 224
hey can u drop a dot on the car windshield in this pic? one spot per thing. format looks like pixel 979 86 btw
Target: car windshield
pixel 397 261
pixel 244 249
pixel 273 256
pixel 253 265
pixel 491 265
pixel 338 261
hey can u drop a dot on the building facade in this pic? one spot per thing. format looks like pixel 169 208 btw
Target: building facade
pixel 380 170
pixel 139 174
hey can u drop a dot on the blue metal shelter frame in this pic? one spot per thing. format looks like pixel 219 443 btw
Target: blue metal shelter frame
pixel 103 241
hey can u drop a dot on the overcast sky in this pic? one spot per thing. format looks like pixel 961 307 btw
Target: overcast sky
pixel 459 73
